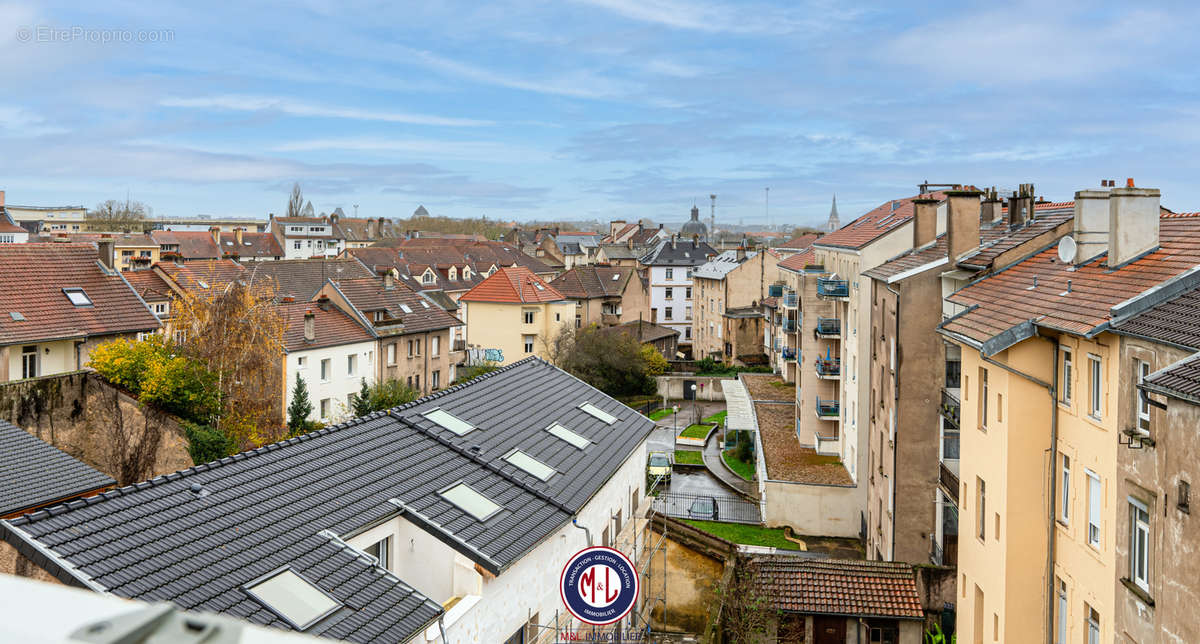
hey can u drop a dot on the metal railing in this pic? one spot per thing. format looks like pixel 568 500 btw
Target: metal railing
pixel 829 326
pixel 828 408
pixel 723 508
pixel 790 299
pixel 789 326
pixel 833 288
pixel 950 408
pixel 775 290
pixel 789 354
pixel 949 482
pixel 936 556
pixel 829 366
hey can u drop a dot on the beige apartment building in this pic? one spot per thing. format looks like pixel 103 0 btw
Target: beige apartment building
pixel 605 295
pixel 727 321
pixel 1040 506
pixel 514 314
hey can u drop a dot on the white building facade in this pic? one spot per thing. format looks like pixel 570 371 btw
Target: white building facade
pixel 333 375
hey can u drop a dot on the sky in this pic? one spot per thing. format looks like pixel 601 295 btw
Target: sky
pixel 590 109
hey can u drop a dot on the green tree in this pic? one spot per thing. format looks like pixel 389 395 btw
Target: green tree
pixel 206 444
pixel 362 400
pixel 390 393
pixel 474 371
pixel 611 362
pixel 656 364
pixel 299 409
pixel 149 370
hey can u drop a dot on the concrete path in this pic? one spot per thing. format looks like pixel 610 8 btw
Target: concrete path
pixel 717 467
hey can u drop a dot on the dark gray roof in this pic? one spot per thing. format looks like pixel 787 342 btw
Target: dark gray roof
pixel 682 253
pixel 1180 380
pixel 265 508
pixel 1176 321
pixel 34 473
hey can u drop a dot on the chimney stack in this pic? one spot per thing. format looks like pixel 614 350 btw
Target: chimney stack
pixel 992 208
pixel 1133 217
pixel 1020 206
pixel 962 222
pixel 237 234
pixel 310 326
pixel 107 247
pixel 673 241
pixel 216 235
pixel 372 228
pixel 1 198
pixel 1091 225
pixel 389 282
pixel 741 253
pixel 924 220
pixel 615 227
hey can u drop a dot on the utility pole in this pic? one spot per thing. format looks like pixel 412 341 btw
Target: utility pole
pixel 767 206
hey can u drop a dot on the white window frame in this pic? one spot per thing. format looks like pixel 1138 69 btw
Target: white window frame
pixel 1095 500
pixel 351 365
pixel 1064 510
pixel 326 370
pixel 1068 368
pixel 1095 386
pixel 1139 535
pixel 1063 605
pixel 435 347
pixel 1092 620
pixel 528 342
pixel 391 353
pixel 325 405
pixel 1141 403
pixel 670 273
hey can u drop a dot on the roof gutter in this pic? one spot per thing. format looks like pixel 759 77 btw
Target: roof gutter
pixel 449 538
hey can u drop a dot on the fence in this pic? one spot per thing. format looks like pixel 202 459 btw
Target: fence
pixel 727 509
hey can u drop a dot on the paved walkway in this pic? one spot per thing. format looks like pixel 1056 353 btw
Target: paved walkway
pixel 717 467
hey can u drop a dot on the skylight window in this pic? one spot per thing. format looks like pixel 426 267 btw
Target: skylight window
pixel 598 413
pixel 77 296
pixel 530 464
pixel 202 284
pixel 405 308
pixel 16 316
pixel 424 304
pixel 465 498
pixel 293 598
pixel 449 421
pixel 568 435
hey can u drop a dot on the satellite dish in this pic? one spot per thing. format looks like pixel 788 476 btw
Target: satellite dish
pixel 1066 250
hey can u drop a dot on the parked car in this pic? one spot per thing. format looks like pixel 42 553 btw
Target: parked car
pixel 704 508
pixel 660 465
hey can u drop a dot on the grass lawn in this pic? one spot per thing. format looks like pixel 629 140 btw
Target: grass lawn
pixel 820 459
pixel 659 414
pixel 695 431
pixel 739 467
pixel 750 535
pixel 688 457
pixel 718 417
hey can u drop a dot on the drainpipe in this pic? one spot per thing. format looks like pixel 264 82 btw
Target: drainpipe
pixel 896 405
pixel 1052 389
pixel 442 628
pixel 588 533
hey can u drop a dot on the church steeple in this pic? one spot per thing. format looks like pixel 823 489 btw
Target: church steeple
pixel 834 223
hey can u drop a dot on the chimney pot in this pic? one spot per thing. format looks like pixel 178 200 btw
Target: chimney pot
pixel 924 220
pixel 1129 182
pixel 216 235
pixel 1 198
pixel 310 326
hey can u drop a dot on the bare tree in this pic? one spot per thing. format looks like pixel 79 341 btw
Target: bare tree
pixel 129 447
pixel 295 202
pixel 115 215
pixel 745 612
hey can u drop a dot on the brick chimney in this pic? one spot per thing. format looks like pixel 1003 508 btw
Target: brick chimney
pixel 1091 225
pixel 992 208
pixel 216 234
pixel 924 220
pixel 237 234
pixel 389 281
pixel 1020 206
pixel 1133 217
pixel 106 248
pixel 310 326
pixel 740 253
pixel 1 198
pixel 615 227
pixel 962 222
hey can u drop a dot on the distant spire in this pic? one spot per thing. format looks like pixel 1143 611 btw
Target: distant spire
pixel 834 223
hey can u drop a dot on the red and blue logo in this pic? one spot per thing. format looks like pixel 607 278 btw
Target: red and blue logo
pixel 599 585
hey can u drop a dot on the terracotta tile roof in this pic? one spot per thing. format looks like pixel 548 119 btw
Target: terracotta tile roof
pixel 798 261
pixel 193 244
pixel 800 243
pixel 333 327
pixel 585 282
pixel 515 285
pixel 253 246
pixel 368 295
pixel 876 223
pixel 1181 380
pixel 201 275
pixel 302 278
pixel 1008 298
pixel 482 255
pixel 620 234
pixel 34 279
pixel 644 236
pixel 123 240
pixel 996 239
pixel 1175 321
pixel 912 259
pixel 838 586
pixel 148 284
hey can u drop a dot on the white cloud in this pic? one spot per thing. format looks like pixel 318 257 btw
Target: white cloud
pixel 720 18
pixel 489 151
pixel 577 84
pixel 242 103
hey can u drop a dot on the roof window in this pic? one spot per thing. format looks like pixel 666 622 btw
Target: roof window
pixel 465 498
pixel 297 600
pixel 530 464
pixel 16 316
pixel 571 437
pixel 405 308
pixel 449 421
pixel 598 413
pixel 77 296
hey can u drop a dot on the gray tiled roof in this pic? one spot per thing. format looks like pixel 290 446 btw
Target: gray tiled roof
pixel 1175 321
pixel 159 540
pixel 682 253
pixel 34 473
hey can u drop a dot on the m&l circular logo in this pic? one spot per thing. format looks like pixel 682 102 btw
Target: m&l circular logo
pixel 599 585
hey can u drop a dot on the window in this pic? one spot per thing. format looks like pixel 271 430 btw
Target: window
pixel 160 308
pixel 449 421
pixel 465 498
pixel 598 413
pixel 529 317
pixel 688 313
pixel 689 273
pixel 1094 501
pixel 999 408
pixel 558 317
pixel 325 409
pixel 1143 405
pixel 435 346
pixel 688 293
pixel 983 398
pixel 1067 371
pixel 530 464
pixel 670 273
pixel 77 296
pixel 528 341
pixel 435 380
pixel 427 277
pixel 296 244
pixel 1062 613
pixel 1064 513
pixel 301 362
pixel 297 600
pixel 687 333
pixel 325 369
pixel 1093 624
pixel 417 381
pixel 668 314
pixel 29 361
pixel 391 353
pixel 1184 496
pixel 351 364
pixel 417 342
pixel 1094 388
pixel 669 293
pixel 410 348
pixel 569 436
pixel 980 508
pixel 1139 544
pixel 381 551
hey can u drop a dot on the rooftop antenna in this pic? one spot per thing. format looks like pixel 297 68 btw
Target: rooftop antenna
pixel 712 217
pixel 356 211
pixel 767 205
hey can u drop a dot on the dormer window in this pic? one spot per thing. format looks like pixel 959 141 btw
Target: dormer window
pixel 316 229
pixel 427 277
pixel 453 274
pixel 295 229
pixel 77 297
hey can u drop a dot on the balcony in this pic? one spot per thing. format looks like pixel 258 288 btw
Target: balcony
pixel 936 556
pixel 460 345
pixel 828 409
pixel 789 326
pixel 775 290
pixel 609 319
pixel 790 299
pixel 829 368
pixel 948 481
pixel 790 354
pixel 950 408
pixel 829 328
pixel 833 289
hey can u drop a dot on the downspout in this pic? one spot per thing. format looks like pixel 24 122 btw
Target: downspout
pixel 427 349
pixel 896 406
pixel 442 628
pixel 1052 389
pixel 588 533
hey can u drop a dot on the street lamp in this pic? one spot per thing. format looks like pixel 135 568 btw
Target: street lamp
pixel 695 417
pixel 675 418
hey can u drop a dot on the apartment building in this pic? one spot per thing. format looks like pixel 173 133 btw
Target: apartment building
pixel 727 319
pixel 605 295
pixel 1042 422
pixel 130 251
pixel 305 237
pixel 332 352
pixel 514 314
pixel 199 245
pixel 669 267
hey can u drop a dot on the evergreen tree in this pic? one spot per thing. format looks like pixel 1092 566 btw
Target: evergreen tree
pixel 300 408
pixel 362 400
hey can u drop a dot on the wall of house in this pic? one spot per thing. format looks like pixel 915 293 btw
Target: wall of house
pixel 679 282
pixel 707 328
pixel 423 363
pixel 707 388
pixel 53 357
pixel 810 347
pixel 502 326
pixel 340 384
pixel 635 301
pixel 811 509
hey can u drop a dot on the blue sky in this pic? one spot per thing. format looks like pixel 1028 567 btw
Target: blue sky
pixel 592 108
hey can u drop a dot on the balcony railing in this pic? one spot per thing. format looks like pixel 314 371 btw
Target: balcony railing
pixel 789 354
pixel 829 367
pixel 833 288
pixel 789 326
pixel 775 290
pixel 828 408
pixel 935 552
pixel 949 482
pixel 609 319
pixel 790 299
pixel 829 327
pixel 950 408
pixel 460 345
